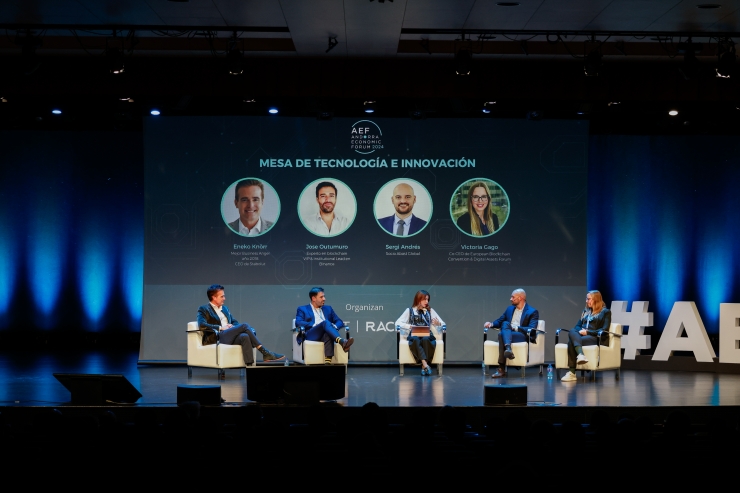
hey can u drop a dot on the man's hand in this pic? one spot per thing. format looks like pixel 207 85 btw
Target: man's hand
pixel 487 325
pixel 583 332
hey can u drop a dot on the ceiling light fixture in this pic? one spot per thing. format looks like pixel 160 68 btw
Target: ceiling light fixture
pixel 155 112
pixel 234 57
pixel 56 111
pixel 332 43
pixel 463 57
pixel 725 58
pixel 273 111
pixel 369 106
pixel 115 60
pixel 673 112
pixel 488 106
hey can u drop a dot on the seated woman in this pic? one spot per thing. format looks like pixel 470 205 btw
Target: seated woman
pixel 596 316
pixel 479 220
pixel 421 314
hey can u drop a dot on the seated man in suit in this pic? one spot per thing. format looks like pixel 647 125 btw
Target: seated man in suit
pixel 519 314
pixel 217 324
pixel 320 324
pixel 403 222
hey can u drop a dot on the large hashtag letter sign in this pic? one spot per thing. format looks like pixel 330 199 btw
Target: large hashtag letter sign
pixel 636 320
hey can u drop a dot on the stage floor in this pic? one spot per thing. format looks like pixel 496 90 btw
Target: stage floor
pixel 26 380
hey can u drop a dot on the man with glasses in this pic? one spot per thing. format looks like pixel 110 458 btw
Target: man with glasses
pixel 403 222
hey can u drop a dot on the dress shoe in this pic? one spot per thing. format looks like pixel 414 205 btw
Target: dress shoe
pixel 346 343
pixel 508 354
pixel 499 374
pixel 268 355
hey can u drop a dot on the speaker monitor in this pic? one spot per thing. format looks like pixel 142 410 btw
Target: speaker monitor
pixel 206 395
pixel 505 395
pixel 98 390
pixel 304 385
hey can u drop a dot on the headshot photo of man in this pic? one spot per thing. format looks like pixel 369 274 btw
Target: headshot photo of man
pixel 255 213
pixel 409 213
pixel 332 209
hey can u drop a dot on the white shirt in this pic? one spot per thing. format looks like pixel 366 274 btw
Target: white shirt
pixel 406 225
pixel 516 317
pixel 318 315
pixel 403 320
pixel 243 230
pixel 221 316
pixel 317 225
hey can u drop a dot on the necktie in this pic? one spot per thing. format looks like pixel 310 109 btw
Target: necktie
pixel 399 230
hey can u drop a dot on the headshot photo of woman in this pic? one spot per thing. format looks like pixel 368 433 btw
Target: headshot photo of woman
pixel 479 207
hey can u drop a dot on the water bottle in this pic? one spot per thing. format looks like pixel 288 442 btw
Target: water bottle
pixel 549 371
pixel 287 361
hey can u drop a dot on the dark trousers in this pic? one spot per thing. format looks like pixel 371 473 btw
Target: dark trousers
pixel 243 335
pixel 422 347
pixel 326 333
pixel 505 337
pixel 576 339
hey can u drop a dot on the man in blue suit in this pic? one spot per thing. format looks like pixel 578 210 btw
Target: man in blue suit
pixel 403 222
pixel 320 323
pixel 513 324
pixel 218 325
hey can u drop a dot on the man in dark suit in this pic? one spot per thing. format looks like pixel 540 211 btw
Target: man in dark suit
pixel 513 324
pixel 218 325
pixel 403 222
pixel 320 323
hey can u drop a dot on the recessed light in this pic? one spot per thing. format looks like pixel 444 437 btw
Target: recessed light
pixel 155 112
pixel 673 112
pixel 273 111
pixel 56 111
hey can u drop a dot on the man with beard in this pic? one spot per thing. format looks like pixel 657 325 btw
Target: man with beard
pixel 403 222
pixel 327 221
pixel 249 196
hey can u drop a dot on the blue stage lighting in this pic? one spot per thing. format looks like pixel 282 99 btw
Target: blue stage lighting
pixel 7 265
pixel 46 258
pixel 132 272
pixel 714 279
pixel 56 111
pixel 94 275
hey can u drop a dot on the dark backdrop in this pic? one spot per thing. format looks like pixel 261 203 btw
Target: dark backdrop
pixel 662 218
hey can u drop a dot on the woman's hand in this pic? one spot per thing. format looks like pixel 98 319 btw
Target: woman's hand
pixel 435 321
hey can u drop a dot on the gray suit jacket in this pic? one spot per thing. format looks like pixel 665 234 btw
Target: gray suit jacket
pixel 266 225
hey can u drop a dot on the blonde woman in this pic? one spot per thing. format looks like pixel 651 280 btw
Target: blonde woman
pixel 479 220
pixel 595 317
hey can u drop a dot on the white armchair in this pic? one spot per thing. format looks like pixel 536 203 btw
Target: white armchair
pixel 599 357
pixel 525 353
pixel 312 352
pixel 220 356
pixel 405 357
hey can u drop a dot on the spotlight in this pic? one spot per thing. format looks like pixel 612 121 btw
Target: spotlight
pixel 56 111
pixel 725 59
pixel 115 60
pixel 673 112
pixel 583 109
pixel 155 112
pixel 234 58
pixel 488 106
pixel 369 106
pixel 592 66
pixel 273 111
pixel 463 59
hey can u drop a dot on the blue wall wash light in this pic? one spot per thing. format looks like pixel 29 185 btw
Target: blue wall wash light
pixel 155 112
pixel 94 270
pixel 132 268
